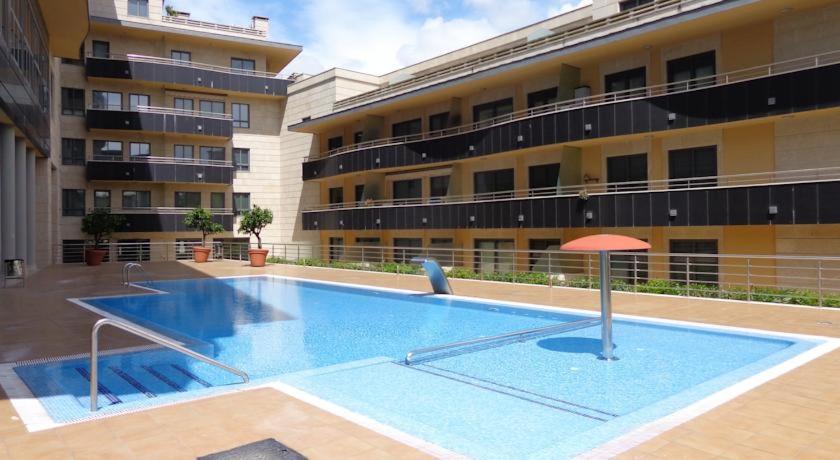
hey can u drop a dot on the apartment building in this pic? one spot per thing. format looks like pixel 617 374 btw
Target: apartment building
pixel 31 33
pixel 161 113
pixel 701 126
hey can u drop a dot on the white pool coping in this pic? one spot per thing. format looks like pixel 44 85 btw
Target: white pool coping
pixel 35 417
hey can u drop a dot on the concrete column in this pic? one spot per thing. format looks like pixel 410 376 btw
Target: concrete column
pixel 30 209
pixel 7 192
pixel 20 199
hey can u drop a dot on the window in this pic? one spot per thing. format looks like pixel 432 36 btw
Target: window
pixel 138 8
pixel 493 182
pixel 107 100
pixel 700 269
pixel 102 199
pixel 439 121
pixel 136 100
pixel 72 202
pixel 101 49
pixel 631 269
pixel 690 68
pixel 494 256
pixel 406 128
pixel 411 190
pixel 187 199
pixel 543 97
pixel 438 186
pixel 211 153
pixel 402 255
pixel 217 200
pixel 73 152
pixel 370 252
pixel 336 249
pixel 136 199
pixel 72 101
pixel 629 4
pixel 134 250
pixel 628 79
pixel 177 55
pixel 107 150
pixel 357 137
pixel 184 104
pixel 359 192
pixel 492 109
pixel 336 196
pixel 334 142
pixel 540 261
pixel 440 249
pixel 685 164
pixel 242 159
pixel 241 202
pixel 241 115
pixel 212 106
pixel 544 177
pixel 139 149
pixel 184 152
pixel 627 168
pixel 242 64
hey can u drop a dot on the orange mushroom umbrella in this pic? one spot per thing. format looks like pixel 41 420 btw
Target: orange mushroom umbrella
pixel 605 243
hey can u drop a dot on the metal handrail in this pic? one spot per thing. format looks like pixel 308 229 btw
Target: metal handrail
pixel 148 335
pixel 161 110
pixel 740 75
pixel 694 183
pixel 554 328
pixel 165 210
pixel 161 160
pixel 126 272
pixel 190 64
pixel 212 25
pixel 562 38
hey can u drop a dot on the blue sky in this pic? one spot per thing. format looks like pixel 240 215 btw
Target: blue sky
pixel 376 36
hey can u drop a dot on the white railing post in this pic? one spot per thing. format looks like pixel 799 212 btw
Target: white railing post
pixel 819 282
pixel 749 280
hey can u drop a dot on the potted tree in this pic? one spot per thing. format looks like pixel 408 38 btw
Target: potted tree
pixel 201 220
pixel 253 222
pixel 99 224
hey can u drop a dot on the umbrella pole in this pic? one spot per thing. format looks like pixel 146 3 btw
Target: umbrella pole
pixel 606 307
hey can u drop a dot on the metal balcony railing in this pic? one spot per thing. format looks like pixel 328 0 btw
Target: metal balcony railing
pixel 799 280
pixel 751 73
pixel 161 160
pixel 187 64
pixel 213 26
pixel 165 210
pixel 564 38
pixel 160 110
pixel 731 180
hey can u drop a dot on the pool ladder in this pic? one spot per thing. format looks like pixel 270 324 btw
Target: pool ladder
pixel 148 335
pixel 127 269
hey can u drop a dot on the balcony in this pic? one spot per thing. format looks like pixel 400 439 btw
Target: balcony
pixel 163 219
pixel 160 169
pixel 187 73
pixel 214 27
pixel 160 120
pixel 781 198
pixel 776 89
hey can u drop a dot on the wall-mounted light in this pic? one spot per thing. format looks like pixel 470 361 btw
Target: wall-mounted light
pixel 587 127
pixel 520 138
pixel 340 167
pixel 672 213
pixel 425 221
pixel 200 128
pixel 315 172
pixel 378 221
pixel 472 148
pixel 341 223
pixel 199 176
pixel 423 155
pixel 472 218
pixel 521 218
pixel 315 223
pixel 589 215
pixel 771 100
pixel 198 79
pixel 672 116
pixel 772 210
pixel 126 122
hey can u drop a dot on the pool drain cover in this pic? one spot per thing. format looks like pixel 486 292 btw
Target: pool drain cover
pixel 267 449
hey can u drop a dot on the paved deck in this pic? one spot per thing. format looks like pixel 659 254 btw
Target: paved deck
pixel 796 415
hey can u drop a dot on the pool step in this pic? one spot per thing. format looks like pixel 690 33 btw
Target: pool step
pixel 122 384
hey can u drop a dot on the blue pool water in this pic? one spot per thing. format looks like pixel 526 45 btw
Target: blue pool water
pixel 547 397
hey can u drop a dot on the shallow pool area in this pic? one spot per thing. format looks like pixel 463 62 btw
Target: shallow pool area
pixel 544 397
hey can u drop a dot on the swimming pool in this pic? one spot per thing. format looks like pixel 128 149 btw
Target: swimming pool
pixel 545 397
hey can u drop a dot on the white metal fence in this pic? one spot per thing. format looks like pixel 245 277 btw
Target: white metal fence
pixel 800 280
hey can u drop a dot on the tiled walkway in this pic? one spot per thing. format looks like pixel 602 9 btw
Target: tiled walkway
pixel 796 415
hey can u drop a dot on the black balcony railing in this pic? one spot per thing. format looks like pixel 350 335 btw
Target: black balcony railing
pixel 160 119
pixel 165 219
pixel 776 89
pixel 160 169
pixel 177 72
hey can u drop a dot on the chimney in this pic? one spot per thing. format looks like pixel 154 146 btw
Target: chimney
pixel 260 23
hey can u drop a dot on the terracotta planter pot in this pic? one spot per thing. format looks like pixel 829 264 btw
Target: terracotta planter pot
pixel 200 254
pixel 94 257
pixel 257 257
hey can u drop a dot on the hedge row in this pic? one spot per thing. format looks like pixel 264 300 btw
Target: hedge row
pixel 789 296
